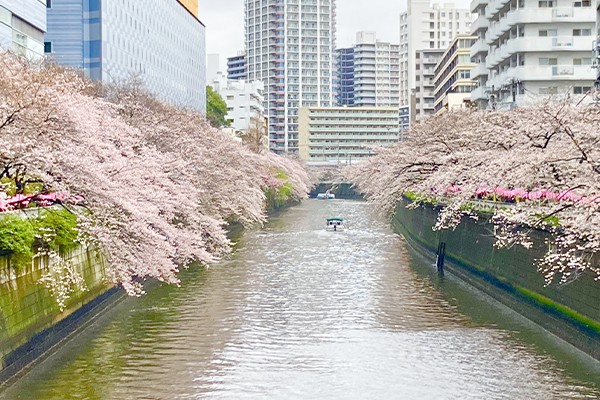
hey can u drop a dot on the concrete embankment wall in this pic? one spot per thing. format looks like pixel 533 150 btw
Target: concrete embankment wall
pixel 570 311
pixel 31 321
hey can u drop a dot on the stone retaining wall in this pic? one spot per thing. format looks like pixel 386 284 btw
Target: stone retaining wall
pixel 28 311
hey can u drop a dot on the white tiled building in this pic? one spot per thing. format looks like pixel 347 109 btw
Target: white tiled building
pixel 531 49
pixel 345 134
pixel 22 27
pixel 289 46
pixel 425 26
pixel 244 100
pixel 162 41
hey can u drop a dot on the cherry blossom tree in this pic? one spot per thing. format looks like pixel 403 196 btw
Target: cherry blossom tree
pixel 544 161
pixel 155 185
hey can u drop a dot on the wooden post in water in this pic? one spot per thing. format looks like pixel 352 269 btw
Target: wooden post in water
pixel 441 254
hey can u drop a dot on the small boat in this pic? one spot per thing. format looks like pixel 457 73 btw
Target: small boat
pixel 326 196
pixel 335 224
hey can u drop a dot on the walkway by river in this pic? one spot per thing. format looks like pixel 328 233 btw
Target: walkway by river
pixel 300 313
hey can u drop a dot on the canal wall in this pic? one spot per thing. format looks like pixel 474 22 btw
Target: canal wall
pixel 31 321
pixel 570 311
pixel 341 190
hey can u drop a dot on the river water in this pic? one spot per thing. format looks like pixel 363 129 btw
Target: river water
pixel 297 312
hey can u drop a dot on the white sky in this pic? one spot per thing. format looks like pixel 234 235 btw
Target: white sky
pixel 224 20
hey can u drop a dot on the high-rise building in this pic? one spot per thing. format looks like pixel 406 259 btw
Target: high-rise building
pixel 345 71
pixel 345 134
pixel 530 49
pixel 236 66
pixel 289 46
pixel 369 73
pixel 453 83
pixel 376 72
pixel 22 27
pixel 425 27
pixel 161 41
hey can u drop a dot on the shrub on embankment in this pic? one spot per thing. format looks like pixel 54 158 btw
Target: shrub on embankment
pixel 541 163
pixel 153 184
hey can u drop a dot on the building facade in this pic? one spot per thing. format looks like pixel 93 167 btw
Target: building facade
pixel 244 100
pixel 22 27
pixel 161 41
pixel 345 72
pixel 453 83
pixel 236 66
pixel 345 134
pixel 425 26
pixel 528 50
pixel 289 46
pixel 376 72
pixel 424 92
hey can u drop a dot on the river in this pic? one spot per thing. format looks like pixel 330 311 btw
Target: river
pixel 297 312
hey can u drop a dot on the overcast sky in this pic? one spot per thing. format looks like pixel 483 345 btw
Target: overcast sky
pixel 224 20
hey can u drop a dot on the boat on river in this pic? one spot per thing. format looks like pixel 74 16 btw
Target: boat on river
pixel 326 196
pixel 335 224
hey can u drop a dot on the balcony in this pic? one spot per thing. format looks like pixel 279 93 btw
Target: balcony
pixel 545 73
pixel 479 70
pixel 478 94
pixel 538 45
pixel 480 23
pixel 479 47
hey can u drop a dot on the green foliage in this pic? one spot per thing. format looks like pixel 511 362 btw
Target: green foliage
pixel 216 108
pixel 20 238
pixel 16 240
pixel 59 229
pixel 276 198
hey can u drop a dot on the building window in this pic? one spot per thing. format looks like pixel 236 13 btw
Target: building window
pixel 48 3
pixel 584 3
pixel 548 61
pixel 47 47
pixel 582 89
pixel 546 3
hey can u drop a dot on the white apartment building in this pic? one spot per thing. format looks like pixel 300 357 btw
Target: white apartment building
pixel 425 26
pixel 531 49
pixel 162 41
pixel 376 72
pixel 244 100
pixel 289 46
pixel 337 135
pixel 453 83
pixel 22 27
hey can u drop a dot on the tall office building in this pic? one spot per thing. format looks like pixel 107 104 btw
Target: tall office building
pixel 236 66
pixel 425 26
pixel 531 49
pixel 289 46
pixel 22 27
pixel 162 41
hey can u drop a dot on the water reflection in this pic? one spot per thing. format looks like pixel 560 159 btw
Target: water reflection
pixel 298 313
